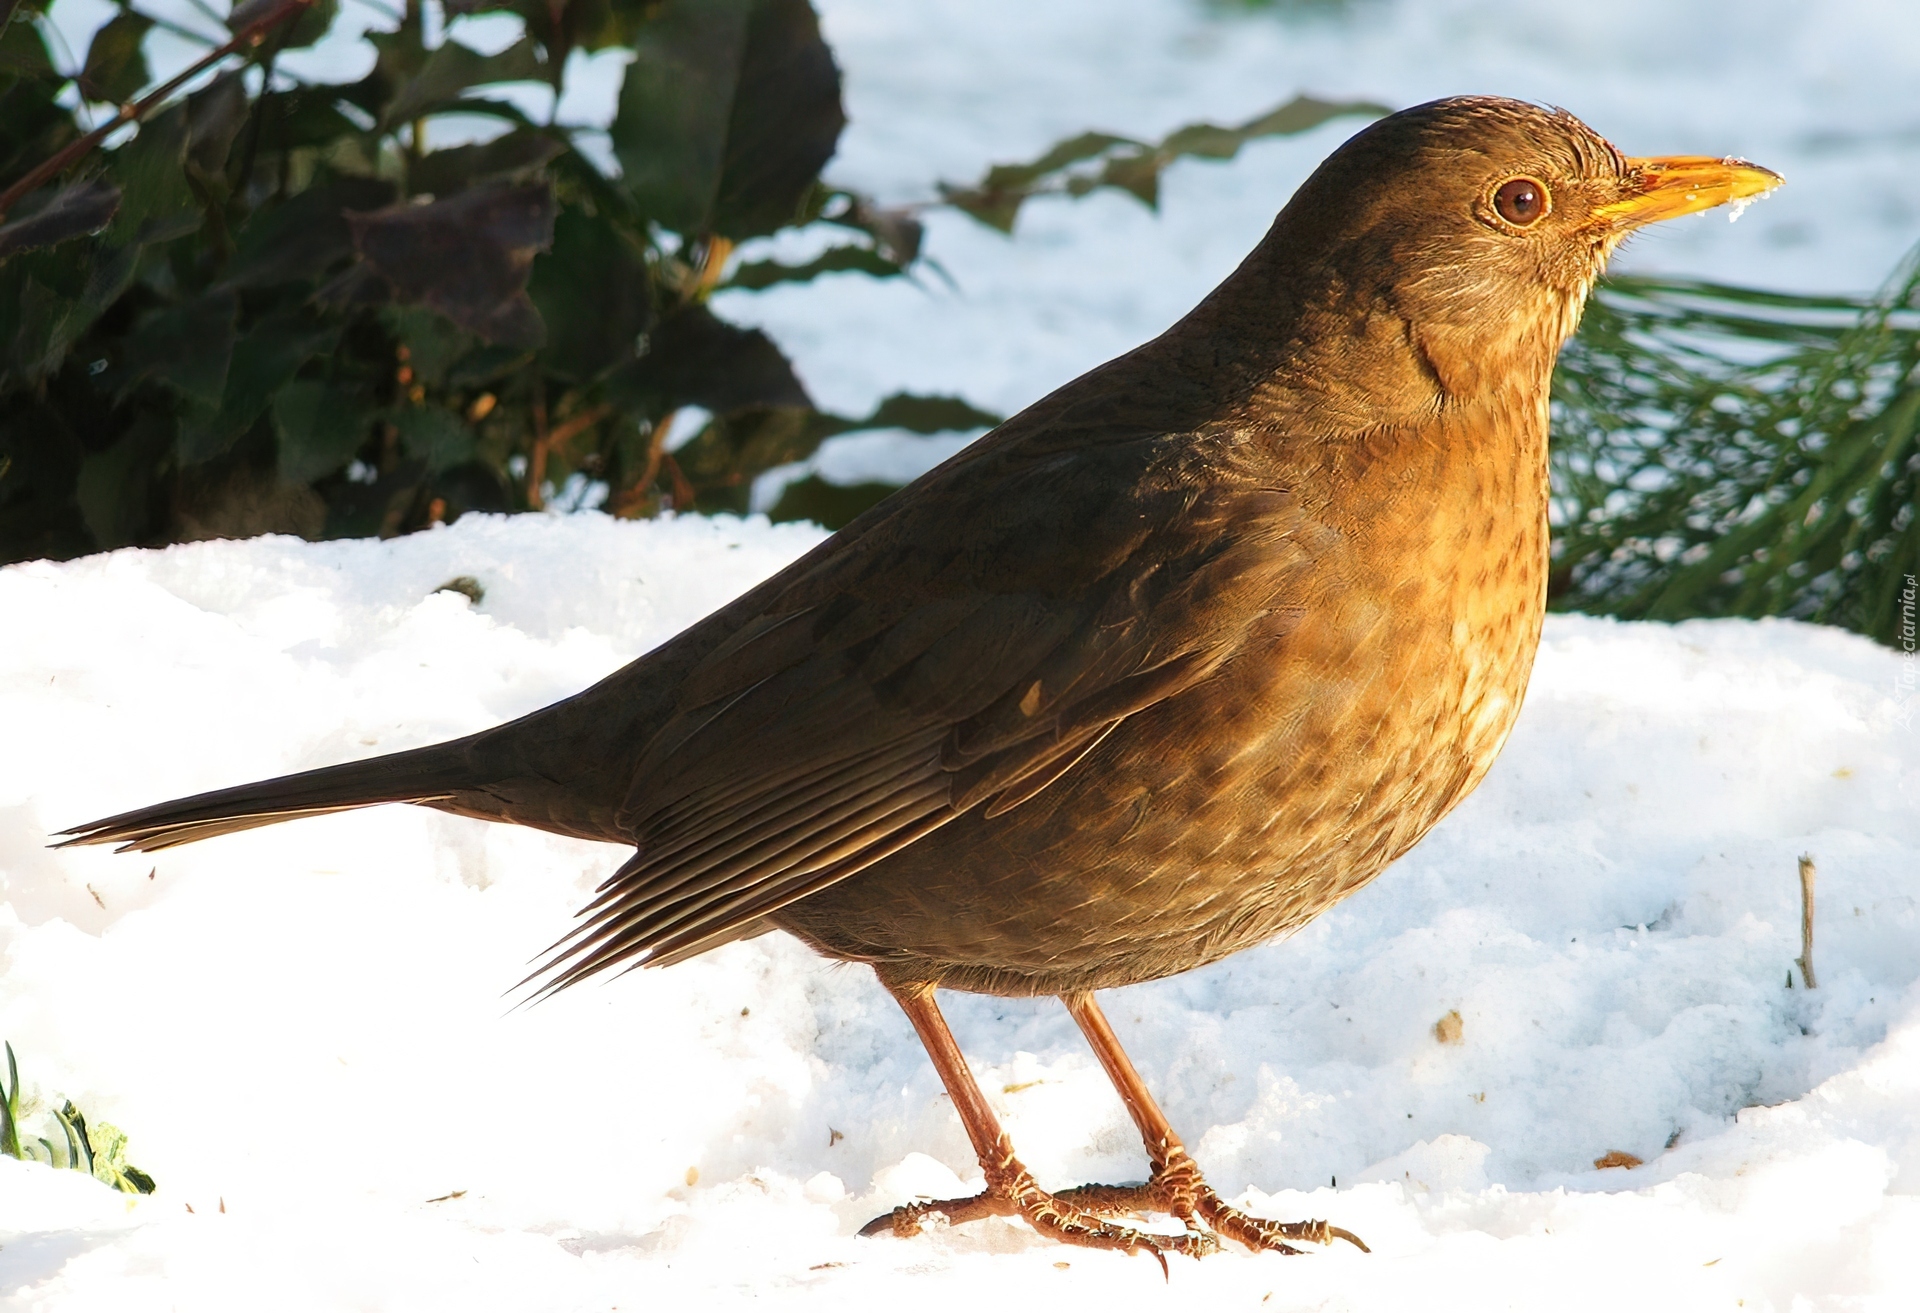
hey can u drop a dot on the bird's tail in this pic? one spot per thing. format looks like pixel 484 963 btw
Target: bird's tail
pixel 429 775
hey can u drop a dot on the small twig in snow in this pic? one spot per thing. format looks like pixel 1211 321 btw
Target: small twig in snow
pixel 1807 874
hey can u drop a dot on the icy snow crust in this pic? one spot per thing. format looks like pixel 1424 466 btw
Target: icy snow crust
pixel 306 1022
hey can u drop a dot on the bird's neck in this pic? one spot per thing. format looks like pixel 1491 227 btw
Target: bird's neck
pixel 1330 352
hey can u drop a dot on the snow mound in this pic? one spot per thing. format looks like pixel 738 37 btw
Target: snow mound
pixel 303 1025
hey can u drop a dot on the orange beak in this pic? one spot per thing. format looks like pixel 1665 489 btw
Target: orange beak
pixel 1668 186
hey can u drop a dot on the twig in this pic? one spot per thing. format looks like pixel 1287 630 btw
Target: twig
pixel 537 462
pixel 656 451
pixel 1807 874
pixel 257 120
pixel 547 441
pixel 245 39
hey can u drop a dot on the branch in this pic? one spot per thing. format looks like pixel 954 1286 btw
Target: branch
pixel 245 39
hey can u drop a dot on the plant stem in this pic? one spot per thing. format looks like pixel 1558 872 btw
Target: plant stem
pixel 1807 874
pixel 245 39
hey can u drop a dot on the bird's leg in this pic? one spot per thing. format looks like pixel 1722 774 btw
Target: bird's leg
pixel 1011 1188
pixel 1176 1185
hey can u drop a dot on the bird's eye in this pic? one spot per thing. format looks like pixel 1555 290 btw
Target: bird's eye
pixel 1520 201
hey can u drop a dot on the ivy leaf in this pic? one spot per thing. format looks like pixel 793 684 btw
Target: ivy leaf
pixel 116 68
pixel 79 208
pixel 727 115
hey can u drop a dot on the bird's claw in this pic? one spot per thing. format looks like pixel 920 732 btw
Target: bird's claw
pixel 1011 1190
pixel 1076 1216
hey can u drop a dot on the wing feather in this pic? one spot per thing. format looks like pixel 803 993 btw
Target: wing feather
pixel 893 685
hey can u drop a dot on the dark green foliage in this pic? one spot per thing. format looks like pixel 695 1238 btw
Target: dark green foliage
pixel 280 313
pixel 100 1151
pixel 830 504
pixel 1728 452
pixel 1097 159
pixel 727 115
pixel 82 208
pixel 115 67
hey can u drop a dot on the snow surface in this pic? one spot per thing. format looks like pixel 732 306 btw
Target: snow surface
pixel 305 1023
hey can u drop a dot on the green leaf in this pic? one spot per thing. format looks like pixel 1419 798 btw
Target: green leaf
pixel 696 359
pixel 305 116
pixel 468 257
pixel 306 29
pixel 265 358
pixel 115 67
pixel 562 26
pixel 49 298
pixel 9 1100
pixel 515 155
pixel 79 1147
pixel 215 114
pixel 896 231
pixel 838 259
pixel 305 236
pixel 321 425
pixel 79 208
pixel 593 292
pixel 1094 160
pixel 829 505
pixel 186 347
pixel 434 436
pixel 115 489
pixel 927 414
pixel 452 68
pixel 156 202
pixel 727 115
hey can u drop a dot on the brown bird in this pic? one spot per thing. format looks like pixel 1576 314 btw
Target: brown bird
pixel 1159 669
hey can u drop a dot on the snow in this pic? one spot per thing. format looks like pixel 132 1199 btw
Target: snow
pixel 302 1028
pixel 306 1025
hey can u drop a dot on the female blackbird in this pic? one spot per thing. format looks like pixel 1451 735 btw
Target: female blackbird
pixel 1159 669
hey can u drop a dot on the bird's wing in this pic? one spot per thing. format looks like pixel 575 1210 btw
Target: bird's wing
pixel 961 652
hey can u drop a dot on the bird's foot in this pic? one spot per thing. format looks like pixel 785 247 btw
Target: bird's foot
pixel 1257 1233
pixel 1011 1190
pixel 1178 1188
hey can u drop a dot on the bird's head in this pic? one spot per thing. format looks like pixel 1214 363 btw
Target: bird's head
pixel 1481 224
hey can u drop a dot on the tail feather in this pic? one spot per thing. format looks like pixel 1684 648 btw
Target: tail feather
pixel 426 775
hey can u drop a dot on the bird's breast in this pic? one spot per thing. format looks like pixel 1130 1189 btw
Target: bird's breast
pixel 1244 806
